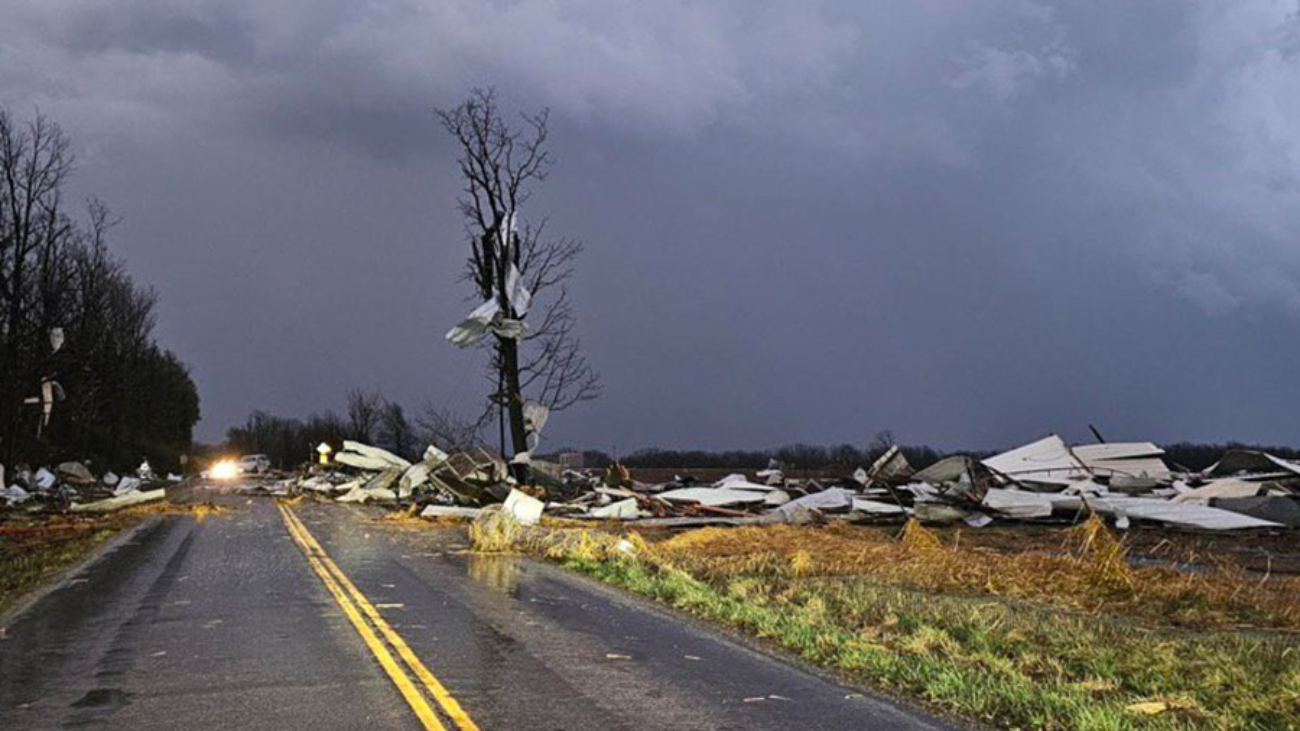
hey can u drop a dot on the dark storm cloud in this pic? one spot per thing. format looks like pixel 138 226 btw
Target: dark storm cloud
pixel 970 223
pixel 142 28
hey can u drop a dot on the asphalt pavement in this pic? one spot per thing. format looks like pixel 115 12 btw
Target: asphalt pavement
pixel 226 623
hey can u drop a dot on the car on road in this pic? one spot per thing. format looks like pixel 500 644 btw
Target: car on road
pixel 254 464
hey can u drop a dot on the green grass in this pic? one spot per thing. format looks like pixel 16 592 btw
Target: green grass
pixel 1004 661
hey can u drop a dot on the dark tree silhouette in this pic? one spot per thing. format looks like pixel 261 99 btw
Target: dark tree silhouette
pixel 499 163
pixel 124 397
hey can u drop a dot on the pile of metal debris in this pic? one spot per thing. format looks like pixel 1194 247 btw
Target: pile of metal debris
pixel 72 486
pixel 372 474
pixel 1046 480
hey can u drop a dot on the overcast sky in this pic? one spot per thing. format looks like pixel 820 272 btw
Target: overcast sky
pixel 972 223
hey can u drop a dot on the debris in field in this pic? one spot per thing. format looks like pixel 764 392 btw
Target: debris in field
pixel 44 479
pixel 1181 515
pixel 1124 459
pixel 135 497
pixel 1149 708
pixel 713 496
pixel 75 472
pixel 449 511
pixel 1282 509
pixel 1230 487
pixel 617 476
pixel 892 466
pixel 1048 458
pixel 773 476
pixel 418 473
pixel 775 498
pixel 366 457
pixel 525 509
pixel 14 495
pixel 876 507
pixel 1153 708
pixel 1251 465
pixel 833 500
pixel 1018 503
pixel 621 510
pixel 1043 481
pixel 934 512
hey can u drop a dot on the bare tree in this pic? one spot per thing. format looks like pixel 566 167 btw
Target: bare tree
pixel 448 431
pixel 499 163
pixel 364 410
pixel 396 432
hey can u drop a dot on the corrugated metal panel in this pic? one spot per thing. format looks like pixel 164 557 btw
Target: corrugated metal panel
pixel 1149 466
pixel 1047 456
pixel 1116 450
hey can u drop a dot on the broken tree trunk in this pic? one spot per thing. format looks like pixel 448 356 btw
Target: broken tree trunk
pixel 513 395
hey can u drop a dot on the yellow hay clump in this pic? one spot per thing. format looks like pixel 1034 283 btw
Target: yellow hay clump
pixel 1096 547
pixel 495 532
pixel 917 537
pixel 801 563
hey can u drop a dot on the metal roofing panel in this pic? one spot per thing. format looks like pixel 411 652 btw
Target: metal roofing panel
pixel 1116 450
pixel 1045 456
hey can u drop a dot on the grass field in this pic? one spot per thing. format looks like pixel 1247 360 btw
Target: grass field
pixel 34 550
pixel 1067 638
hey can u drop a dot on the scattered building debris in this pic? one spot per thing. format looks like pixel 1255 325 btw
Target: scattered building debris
pixel 72 486
pixel 135 497
pixel 524 508
pixel 1044 481
pixel 365 457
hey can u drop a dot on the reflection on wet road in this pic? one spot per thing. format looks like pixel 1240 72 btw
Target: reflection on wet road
pixel 225 624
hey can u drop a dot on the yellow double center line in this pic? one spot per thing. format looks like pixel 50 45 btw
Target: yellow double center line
pixel 358 609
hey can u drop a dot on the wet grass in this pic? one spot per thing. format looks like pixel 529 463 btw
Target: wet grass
pixel 1073 639
pixel 34 552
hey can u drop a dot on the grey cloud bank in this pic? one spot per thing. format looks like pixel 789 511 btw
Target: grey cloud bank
pixel 968 223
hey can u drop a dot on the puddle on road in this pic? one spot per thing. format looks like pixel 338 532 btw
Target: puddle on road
pixel 499 573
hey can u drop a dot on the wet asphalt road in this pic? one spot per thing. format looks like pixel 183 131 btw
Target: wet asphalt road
pixel 222 624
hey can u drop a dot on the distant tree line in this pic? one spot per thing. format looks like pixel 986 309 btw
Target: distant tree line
pixel 846 457
pixel 794 456
pixel 369 418
pixel 76 336
pixel 1199 456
